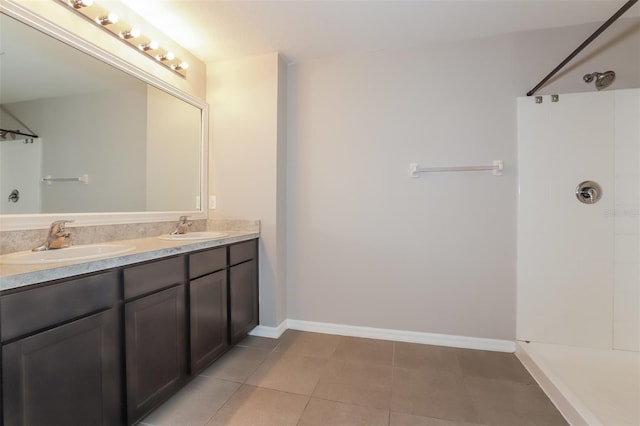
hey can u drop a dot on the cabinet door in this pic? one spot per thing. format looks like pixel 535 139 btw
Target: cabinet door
pixel 243 299
pixel 208 298
pixel 69 375
pixel 155 350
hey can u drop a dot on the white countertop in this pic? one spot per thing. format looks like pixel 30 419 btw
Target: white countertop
pixel 14 276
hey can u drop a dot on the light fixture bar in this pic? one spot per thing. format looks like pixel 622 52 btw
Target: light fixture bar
pixel 109 19
pixel 132 33
pixel 128 34
pixel 151 45
pixel 79 4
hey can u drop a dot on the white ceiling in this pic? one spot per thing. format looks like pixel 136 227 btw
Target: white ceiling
pixel 307 29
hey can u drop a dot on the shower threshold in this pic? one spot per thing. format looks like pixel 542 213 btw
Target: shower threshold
pixel 589 386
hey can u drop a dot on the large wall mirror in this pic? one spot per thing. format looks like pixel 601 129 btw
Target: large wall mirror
pixel 110 146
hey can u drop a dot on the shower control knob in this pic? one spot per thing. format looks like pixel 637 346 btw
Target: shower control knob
pixel 588 192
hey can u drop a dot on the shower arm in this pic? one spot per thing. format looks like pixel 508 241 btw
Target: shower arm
pixel 592 37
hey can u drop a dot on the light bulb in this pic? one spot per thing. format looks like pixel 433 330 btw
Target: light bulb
pixel 79 4
pixel 132 33
pixel 180 66
pixel 152 45
pixel 169 56
pixel 111 18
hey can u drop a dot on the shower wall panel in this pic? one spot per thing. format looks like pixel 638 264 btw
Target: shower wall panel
pixel 21 170
pixel 566 248
pixel 626 319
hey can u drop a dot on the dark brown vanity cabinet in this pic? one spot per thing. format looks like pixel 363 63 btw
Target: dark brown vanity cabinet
pixel 61 360
pixel 208 307
pixel 243 289
pixel 109 347
pixel 155 330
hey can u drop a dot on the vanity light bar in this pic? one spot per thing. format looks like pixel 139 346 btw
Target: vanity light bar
pixel 131 36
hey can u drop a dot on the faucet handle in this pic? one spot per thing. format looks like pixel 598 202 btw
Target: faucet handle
pixel 183 219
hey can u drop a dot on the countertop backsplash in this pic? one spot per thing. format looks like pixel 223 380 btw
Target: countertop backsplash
pixel 12 241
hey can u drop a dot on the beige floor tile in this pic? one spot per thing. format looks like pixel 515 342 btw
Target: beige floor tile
pixel 403 419
pixel 355 383
pixel 500 402
pixel 312 344
pixel 352 349
pixel 438 359
pixel 260 407
pixel 424 393
pixel 493 365
pixel 237 364
pixel 320 412
pixel 289 372
pixel 259 342
pixel 195 404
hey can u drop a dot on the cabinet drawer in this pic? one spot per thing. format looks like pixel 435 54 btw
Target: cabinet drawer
pixel 153 276
pixel 206 262
pixel 30 310
pixel 243 251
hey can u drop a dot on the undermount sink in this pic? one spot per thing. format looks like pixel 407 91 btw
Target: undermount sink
pixel 68 254
pixel 200 235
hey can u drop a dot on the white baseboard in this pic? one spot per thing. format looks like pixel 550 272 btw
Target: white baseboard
pixel 404 336
pixel 270 332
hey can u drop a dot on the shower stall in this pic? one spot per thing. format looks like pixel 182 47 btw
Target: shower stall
pixel 578 317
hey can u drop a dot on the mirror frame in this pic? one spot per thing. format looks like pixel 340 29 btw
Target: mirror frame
pixel 42 221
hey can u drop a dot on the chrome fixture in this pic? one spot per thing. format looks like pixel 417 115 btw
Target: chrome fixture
pixel 128 34
pixel 14 197
pixel 132 33
pixel 145 47
pixel 169 56
pixel 79 4
pixel 109 19
pixel 602 79
pixel 59 237
pixel 183 226
pixel 6 134
pixel 588 192
pixel 15 134
pixel 628 5
pixel 180 66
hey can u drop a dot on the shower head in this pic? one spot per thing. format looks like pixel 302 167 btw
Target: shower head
pixel 602 79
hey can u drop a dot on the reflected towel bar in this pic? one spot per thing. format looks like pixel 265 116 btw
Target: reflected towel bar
pixel 496 168
pixel 49 180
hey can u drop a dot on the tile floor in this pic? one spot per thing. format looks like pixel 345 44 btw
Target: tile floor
pixel 325 380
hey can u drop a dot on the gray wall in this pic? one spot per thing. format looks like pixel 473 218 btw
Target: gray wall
pixel 102 134
pixel 369 246
pixel 248 173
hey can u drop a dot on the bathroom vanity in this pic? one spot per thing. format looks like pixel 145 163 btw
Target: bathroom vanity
pixel 108 346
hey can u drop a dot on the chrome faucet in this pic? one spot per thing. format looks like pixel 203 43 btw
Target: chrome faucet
pixel 59 237
pixel 183 226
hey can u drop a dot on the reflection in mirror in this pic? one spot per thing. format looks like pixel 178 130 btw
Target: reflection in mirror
pixel 139 147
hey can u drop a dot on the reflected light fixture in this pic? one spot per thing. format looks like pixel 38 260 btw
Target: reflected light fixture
pixel 109 19
pixel 131 35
